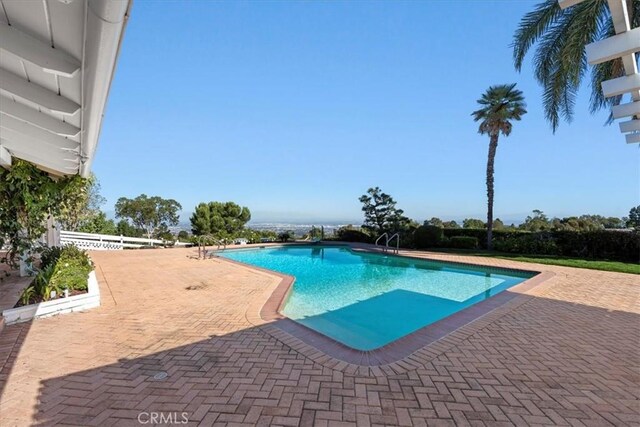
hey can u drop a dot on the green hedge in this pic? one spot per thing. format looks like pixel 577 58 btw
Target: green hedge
pixel 428 236
pixel 615 245
pixel 463 242
pixel 602 244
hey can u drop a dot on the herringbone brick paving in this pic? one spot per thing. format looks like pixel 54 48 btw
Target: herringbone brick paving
pixel 566 354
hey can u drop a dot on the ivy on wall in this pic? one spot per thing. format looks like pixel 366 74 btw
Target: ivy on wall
pixel 27 197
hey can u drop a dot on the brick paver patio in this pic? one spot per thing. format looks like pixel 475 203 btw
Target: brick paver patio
pixel 565 353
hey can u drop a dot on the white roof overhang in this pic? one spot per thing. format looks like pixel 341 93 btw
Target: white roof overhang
pixel 57 60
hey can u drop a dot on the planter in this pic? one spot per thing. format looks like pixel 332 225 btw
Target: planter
pixel 58 306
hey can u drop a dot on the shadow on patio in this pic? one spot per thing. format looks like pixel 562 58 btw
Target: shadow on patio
pixel 548 361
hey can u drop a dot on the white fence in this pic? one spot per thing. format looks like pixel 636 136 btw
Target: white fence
pixel 104 242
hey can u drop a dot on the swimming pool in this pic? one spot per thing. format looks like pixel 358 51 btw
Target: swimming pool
pixel 368 300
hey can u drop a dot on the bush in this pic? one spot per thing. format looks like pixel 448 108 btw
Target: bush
pixel 62 268
pixel 463 242
pixel 285 236
pixel 535 243
pixel 349 234
pixel 428 236
pixel 49 256
pixel 71 270
pixel 620 245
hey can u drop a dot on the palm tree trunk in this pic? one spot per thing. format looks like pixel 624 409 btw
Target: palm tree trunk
pixel 493 146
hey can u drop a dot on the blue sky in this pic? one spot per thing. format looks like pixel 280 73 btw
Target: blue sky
pixel 294 109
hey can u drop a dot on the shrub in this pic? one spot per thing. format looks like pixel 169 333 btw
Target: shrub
pixel 601 244
pixel 49 256
pixel 534 243
pixel 285 236
pixel 463 242
pixel 349 234
pixel 71 270
pixel 428 236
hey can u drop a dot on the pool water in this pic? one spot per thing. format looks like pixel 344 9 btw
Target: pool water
pixel 367 300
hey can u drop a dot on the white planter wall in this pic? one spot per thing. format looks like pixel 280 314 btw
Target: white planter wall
pixel 58 306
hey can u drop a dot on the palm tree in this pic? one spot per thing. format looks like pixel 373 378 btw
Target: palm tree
pixel 560 61
pixel 499 105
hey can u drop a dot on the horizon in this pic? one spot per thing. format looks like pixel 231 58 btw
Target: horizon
pixel 296 109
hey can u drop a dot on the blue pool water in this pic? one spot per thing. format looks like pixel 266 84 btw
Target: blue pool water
pixel 366 300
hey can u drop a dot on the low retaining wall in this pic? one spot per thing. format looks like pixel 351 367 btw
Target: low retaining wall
pixel 58 306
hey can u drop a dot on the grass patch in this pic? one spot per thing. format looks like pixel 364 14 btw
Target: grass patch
pixel 615 266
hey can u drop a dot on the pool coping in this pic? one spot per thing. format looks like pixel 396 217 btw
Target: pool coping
pixel 396 356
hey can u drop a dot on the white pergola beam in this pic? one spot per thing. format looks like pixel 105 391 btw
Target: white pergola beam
pixel 633 138
pixel 630 126
pixel 37 52
pixel 21 88
pixel 619 15
pixel 568 3
pixel 59 163
pixel 15 140
pixel 28 114
pixel 621 85
pixel 9 125
pixel 5 157
pixel 613 47
pixel 626 110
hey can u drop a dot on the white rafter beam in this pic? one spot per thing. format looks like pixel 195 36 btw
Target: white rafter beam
pixel 21 88
pixel 568 3
pixel 619 15
pixel 621 85
pixel 630 126
pixel 28 114
pixel 10 124
pixel 37 52
pixel 60 163
pixel 5 157
pixel 40 150
pixel 633 138
pixel 626 110
pixel 613 47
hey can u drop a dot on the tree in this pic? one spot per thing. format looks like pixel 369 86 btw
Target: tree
pixel 313 233
pixel 473 223
pixel 536 222
pixel 223 219
pixel 559 60
pixel 183 235
pixel 450 224
pixel 634 217
pixel 81 203
pixel 28 196
pixel 98 223
pixel 499 106
pixel 285 236
pixel 437 222
pixel 123 228
pixel 150 214
pixel 498 224
pixel 380 213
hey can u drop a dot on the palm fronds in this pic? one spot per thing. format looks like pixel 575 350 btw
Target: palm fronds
pixel 560 61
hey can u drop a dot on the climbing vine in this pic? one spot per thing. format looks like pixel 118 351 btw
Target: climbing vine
pixel 27 197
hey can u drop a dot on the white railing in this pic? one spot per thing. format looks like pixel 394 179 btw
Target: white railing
pixel 104 242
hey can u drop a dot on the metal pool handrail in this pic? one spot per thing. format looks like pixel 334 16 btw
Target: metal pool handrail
pixel 202 245
pixel 388 240
pixel 381 236
pixel 397 237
